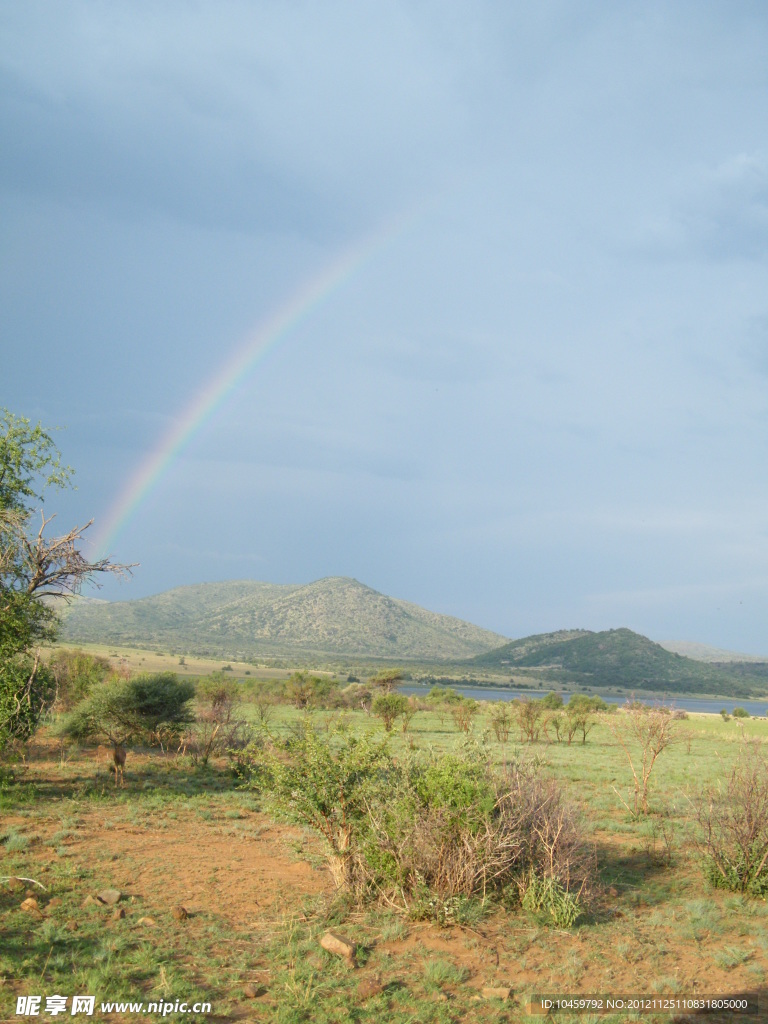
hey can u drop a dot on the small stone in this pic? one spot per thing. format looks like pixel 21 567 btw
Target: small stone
pixel 109 896
pixel 253 991
pixel 492 992
pixel 55 902
pixel 148 922
pixel 71 926
pixel 180 913
pixel 90 901
pixel 441 997
pixel 339 945
pixel 31 906
pixel 369 987
pixel 612 891
pixel 14 884
pixel 118 914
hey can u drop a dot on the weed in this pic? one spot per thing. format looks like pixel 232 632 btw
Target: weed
pixel 547 896
pixel 15 841
pixel 438 973
pixel 731 957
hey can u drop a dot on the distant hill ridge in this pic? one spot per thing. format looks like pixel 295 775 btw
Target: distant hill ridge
pixel 619 658
pixel 247 618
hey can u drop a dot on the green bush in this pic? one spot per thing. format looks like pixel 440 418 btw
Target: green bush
pixel 426 832
pixel 740 712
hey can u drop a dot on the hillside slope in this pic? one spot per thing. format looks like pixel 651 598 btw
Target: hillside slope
pixel 334 616
pixel 615 657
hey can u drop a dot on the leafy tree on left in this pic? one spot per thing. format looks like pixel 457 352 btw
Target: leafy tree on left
pixel 34 570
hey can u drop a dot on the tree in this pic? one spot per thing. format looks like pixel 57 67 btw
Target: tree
pixel 651 729
pixel 387 679
pixel 75 673
pixel 581 715
pixel 463 712
pixel 530 718
pixel 122 710
pixel 34 569
pixel 389 707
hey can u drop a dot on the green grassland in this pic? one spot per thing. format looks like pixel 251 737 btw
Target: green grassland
pixel 657 927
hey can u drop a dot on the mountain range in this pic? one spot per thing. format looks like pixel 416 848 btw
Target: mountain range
pixel 622 659
pixel 334 617
pixel 342 619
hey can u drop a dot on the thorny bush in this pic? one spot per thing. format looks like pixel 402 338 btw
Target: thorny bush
pixel 733 826
pixel 426 830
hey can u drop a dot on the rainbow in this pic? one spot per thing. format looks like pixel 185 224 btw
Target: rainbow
pixel 265 337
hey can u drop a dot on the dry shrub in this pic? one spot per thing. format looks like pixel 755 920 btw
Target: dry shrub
pixel 733 826
pixel 459 828
pixel 218 725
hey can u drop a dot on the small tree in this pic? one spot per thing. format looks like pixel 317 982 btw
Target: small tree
pixel 651 729
pixel 406 715
pixel 325 789
pixel 389 707
pixel 386 680
pixel 218 726
pixel 464 712
pixel 75 673
pixel 501 721
pixel 581 712
pixel 123 710
pixel 529 715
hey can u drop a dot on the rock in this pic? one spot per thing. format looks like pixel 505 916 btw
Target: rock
pixel 253 991
pixel 118 914
pixel 14 884
pixel 31 906
pixel 180 913
pixel 148 922
pixel 339 945
pixel 71 926
pixel 55 902
pixel 369 987
pixel 612 891
pixel 109 896
pixel 492 992
pixel 90 901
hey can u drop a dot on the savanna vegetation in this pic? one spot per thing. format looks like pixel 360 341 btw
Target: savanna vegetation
pixel 497 856
pixel 175 835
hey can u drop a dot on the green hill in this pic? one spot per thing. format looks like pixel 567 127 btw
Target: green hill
pixel 617 658
pixel 247 619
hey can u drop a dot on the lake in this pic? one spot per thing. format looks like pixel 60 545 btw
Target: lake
pixel 706 705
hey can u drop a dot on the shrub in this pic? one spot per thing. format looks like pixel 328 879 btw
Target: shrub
pixel 733 826
pixel 389 707
pixel 152 707
pixel 427 832
pixel 740 712
pixel 76 673
pixel 463 713
pixel 218 725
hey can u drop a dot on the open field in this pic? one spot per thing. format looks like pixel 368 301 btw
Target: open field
pixel 259 895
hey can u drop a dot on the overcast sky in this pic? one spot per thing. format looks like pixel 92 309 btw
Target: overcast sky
pixel 540 403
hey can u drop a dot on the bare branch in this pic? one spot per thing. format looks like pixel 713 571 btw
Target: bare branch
pixel 51 566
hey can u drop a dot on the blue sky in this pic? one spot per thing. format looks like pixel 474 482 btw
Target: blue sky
pixel 541 404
